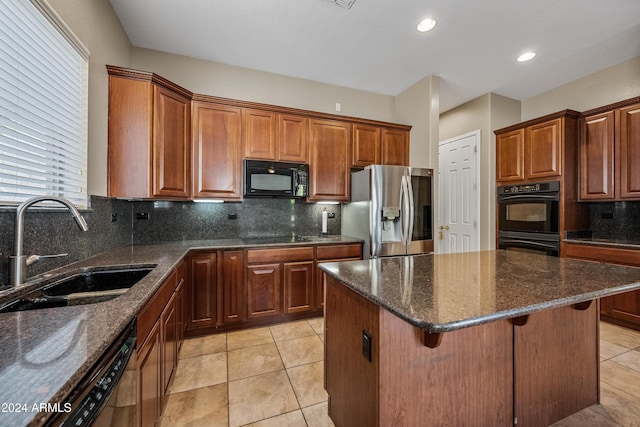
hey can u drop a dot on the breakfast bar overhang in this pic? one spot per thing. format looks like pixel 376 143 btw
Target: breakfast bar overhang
pixel 490 338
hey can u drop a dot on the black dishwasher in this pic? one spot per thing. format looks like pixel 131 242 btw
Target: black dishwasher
pixel 100 396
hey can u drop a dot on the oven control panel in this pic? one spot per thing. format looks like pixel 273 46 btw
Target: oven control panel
pixel 530 188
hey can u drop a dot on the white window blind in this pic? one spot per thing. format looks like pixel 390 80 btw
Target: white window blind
pixel 43 105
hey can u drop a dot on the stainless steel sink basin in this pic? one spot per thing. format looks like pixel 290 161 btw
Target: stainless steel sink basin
pixel 85 287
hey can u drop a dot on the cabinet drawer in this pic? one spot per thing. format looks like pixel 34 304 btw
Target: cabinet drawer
pixel 259 256
pixel 603 254
pixel 339 251
pixel 151 312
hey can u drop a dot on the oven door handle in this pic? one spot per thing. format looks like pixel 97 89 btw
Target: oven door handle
pixel 505 197
pixel 530 243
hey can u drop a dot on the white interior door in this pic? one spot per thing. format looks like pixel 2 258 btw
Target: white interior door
pixel 459 217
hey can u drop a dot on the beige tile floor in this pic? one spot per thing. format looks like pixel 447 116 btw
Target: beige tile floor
pixel 272 376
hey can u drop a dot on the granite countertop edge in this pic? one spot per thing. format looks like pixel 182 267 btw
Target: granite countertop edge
pixel 434 327
pixel 115 314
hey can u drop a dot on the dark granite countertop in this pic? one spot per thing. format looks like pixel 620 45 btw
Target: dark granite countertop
pixel 441 293
pixel 618 243
pixel 45 353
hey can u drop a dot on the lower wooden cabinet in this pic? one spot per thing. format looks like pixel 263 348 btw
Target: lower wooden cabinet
pixel 298 286
pixel 200 309
pixel 149 397
pixel 622 309
pixel 159 340
pixel 263 290
pixel 333 253
pixel 232 288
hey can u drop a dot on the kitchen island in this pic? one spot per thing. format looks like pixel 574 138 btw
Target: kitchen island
pixel 491 338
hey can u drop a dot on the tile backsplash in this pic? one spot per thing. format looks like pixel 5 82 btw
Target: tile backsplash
pixel 53 232
pixel 618 221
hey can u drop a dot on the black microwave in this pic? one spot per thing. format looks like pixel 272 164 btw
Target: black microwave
pixel 275 179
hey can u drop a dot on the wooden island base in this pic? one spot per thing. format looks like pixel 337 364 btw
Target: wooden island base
pixel 528 371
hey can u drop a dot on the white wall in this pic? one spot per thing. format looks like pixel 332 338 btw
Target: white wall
pixel 95 23
pixel 485 113
pixel 613 84
pixel 227 81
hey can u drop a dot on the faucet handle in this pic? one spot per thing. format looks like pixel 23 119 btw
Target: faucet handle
pixel 32 259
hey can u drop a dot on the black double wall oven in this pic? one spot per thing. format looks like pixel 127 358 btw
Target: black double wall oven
pixel 528 217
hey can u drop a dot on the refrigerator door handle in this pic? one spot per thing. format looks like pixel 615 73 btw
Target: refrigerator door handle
pixel 404 198
pixel 409 209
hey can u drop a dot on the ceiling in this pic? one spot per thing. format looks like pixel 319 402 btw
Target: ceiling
pixel 374 46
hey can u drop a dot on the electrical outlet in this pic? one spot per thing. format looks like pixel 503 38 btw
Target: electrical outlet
pixel 142 215
pixel 366 345
pixel 114 217
pixel 331 215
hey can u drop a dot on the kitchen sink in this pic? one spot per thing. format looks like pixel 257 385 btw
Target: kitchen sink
pixel 86 287
pixel 96 281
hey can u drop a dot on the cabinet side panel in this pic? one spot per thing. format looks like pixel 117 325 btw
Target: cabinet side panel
pixel 464 381
pixel 350 379
pixel 556 364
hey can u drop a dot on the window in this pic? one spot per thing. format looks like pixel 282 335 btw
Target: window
pixel 43 105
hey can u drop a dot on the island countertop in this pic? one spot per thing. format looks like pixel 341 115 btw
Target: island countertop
pixel 441 293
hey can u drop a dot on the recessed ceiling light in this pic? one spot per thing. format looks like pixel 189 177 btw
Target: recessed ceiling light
pixel 426 25
pixel 527 56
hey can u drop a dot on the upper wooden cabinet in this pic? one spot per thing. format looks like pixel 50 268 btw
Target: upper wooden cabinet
pixel 535 150
pixel 609 149
pixel 510 156
pixel 366 145
pixel 395 147
pixel 379 145
pixel 329 161
pixel 259 134
pixel 149 136
pixel 597 157
pixel 217 151
pixel 293 143
pixel 271 136
pixel 543 149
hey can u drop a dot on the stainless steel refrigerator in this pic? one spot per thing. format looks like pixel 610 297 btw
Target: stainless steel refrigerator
pixel 391 210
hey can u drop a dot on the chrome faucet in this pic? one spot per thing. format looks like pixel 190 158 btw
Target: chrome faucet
pixel 19 262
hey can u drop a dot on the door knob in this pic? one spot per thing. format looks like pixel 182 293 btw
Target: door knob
pixel 447 227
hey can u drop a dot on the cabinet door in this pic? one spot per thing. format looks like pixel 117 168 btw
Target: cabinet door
pixel 217 151
pixel 395 147
pixel 263 290
pixel 202 296
pixel 597 157
pixel 259 134
pixel 148 393
pixel 624 306
pixel 171 144
pixel 179 305
pixel 544 149
pixel 510 156
pixel 292 138
pixel 298 286
pixel 366 145
pixel 130 118
pixel 329 164
pixel 629 148
pixel 232 287
pixel 169 341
